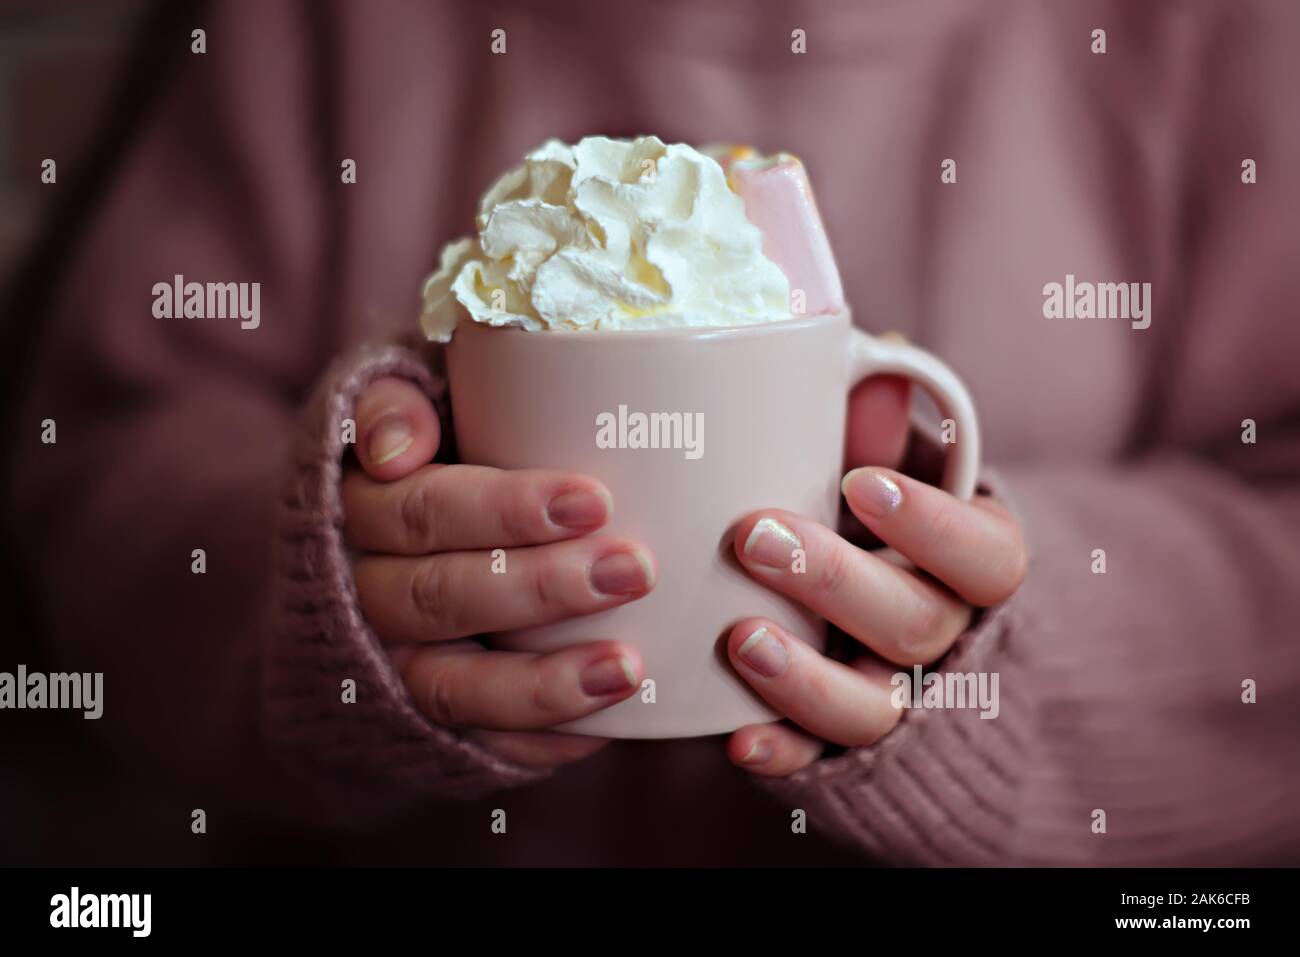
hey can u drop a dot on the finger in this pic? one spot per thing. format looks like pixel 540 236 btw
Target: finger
pixel 900 615
pixel 773 750
pixel 975 547
pixel 878 421
pixel 459 507
pixel 458 594
pixel 397 428
pixel 826 698
pixel 538 749
pixel 462 684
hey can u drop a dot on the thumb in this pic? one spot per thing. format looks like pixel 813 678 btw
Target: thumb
pixel 878 422
pixel 397 429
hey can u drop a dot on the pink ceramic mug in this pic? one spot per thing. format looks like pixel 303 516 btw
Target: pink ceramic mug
pixel 759 424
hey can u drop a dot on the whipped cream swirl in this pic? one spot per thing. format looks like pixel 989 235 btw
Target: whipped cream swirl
pixel 608 234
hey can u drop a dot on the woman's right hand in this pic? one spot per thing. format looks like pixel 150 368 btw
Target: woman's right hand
pixel 428 581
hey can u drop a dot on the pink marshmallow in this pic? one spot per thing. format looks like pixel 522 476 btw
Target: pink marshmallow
pixel 779 201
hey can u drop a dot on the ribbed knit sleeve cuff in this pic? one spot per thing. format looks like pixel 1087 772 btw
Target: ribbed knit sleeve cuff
pixel 362 748
pixel 943 786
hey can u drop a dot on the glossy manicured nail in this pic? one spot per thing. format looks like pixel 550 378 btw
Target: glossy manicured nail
pixel 623 573
pixel 760 752
pixel 871 492
pixel 391 437
pixel 772 544
pixel 607 676
pixel 762 652
pixel 579 508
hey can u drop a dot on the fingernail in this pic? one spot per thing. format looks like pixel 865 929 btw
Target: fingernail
pixel 623 573
pixel 607 676
pixel 391 437
pixel 760 752
pixel 579 508
pixel 772 544
pixel 762 652
pixel 871 492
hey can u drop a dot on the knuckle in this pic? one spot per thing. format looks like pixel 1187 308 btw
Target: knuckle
pixel 541 588
pixel 869 726
pixel 816 688
pixel 833 571
pixel 440 703
pixel 431 596
pixel 517 517
pixel 417 515
pixel 1019 565
pixel 542 697
pixel 889 718
pixel 547 592
pixel 1008 575
pixel 942 524
pixel 923 632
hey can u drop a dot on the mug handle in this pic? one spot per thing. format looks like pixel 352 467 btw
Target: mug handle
pixel 873 356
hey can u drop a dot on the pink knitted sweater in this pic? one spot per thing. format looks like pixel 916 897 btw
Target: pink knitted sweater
pixel 1120 692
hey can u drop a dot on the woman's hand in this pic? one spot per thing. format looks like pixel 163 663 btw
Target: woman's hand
pixel 428 581
pixel 970 554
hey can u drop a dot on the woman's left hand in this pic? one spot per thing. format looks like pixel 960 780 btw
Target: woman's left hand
pixel 966 555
